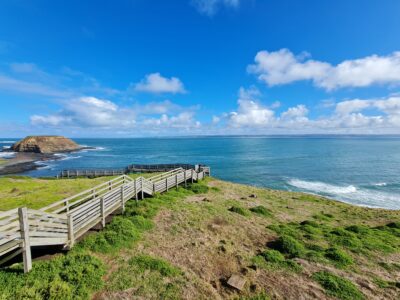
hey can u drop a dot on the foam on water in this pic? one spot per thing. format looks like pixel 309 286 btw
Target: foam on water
pixel 322 187
pixel 7 154
pixel 349 193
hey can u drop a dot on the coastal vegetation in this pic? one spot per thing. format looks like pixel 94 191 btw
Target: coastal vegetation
pixel 18 191
pixel 187 243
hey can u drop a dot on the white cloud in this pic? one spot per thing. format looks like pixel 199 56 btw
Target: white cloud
pixel 211 7
pixel 283 67
pixel 88 111
pixel 297 114
pixel 380 115
pixel 155 83
pixel 183 120
pixel 250 112
pixel 91 112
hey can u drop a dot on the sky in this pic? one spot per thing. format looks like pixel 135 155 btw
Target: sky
pixel 133 68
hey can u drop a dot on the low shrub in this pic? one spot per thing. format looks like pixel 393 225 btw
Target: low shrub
pixel 198 188
pixel 121 232
pixel 145 262
pixel 239 210
pixel 338 257
pixel 285 229
pixel 273 256
pixel 261 210
pixel 141 223
pixel 290 246
pixel 75 274
pixel 338 287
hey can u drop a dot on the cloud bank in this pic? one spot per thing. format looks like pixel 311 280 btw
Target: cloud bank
pixel 283 67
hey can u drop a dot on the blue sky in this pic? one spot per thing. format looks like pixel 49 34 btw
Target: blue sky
pixel 156 68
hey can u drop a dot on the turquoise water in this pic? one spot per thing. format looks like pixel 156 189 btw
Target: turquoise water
pixel 362 170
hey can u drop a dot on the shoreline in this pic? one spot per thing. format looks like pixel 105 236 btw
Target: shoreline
pixel 27 161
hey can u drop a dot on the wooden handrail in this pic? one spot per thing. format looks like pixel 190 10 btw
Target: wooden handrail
pixel 62 222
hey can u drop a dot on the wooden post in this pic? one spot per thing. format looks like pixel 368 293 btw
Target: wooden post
pixel 67 205
pixel 93 193
pixel 166 184
pixel 192 175
pixel 141 187
pixel 176 181
pixel 122 198
pixel 26 246
pixel 71 236
pixel 154 188
pixel 135 192
pixel 67 174
pixel 102 211
pixel 110 185
pixel 184 177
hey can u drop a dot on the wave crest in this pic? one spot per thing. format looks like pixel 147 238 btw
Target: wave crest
pixel 321 187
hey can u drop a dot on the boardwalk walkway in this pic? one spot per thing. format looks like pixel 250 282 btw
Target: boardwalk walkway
pixel 63 222
pixel 128 170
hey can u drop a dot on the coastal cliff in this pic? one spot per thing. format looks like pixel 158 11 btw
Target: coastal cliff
pixel 45 144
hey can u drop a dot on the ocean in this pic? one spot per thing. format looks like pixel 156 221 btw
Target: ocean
pixel 362 170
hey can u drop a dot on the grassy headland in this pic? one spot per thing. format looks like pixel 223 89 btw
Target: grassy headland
pixel 187 243
pixel 17 191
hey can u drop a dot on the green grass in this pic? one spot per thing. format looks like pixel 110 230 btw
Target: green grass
pixel 75 275
pixel 239 210
pixel 145 262
pixel 19 191
pixel 355 238
pixel 274 260
pixel 148 277
pixel 338 287
pixel 261 210
pixel 338 257
pixel 289 246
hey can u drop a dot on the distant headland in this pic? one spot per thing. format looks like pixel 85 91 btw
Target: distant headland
pixel 36 148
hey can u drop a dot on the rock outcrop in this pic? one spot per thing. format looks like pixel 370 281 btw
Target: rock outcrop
pixel 45 144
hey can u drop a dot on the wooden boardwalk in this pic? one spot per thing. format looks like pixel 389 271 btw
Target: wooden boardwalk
pixel 135 168
pixel 63 222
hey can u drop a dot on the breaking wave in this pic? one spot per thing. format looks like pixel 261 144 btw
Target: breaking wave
pixel 349 193
pixel 7 154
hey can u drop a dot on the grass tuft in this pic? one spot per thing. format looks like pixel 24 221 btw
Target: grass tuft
pixel 261 210
pixel 289 246
pixel 338 257
pixel 239 210
pixel 75 274
pixel 338 287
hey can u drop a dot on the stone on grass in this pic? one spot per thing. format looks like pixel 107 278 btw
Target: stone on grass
pixel 236 281
pixel 253 196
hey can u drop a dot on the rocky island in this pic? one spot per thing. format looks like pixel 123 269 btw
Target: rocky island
pixel 45 144
pixel 36 148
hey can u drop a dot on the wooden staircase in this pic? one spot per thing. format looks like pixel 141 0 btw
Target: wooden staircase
pixel 62 222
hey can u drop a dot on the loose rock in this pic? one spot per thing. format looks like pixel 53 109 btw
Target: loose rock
pixel 236 281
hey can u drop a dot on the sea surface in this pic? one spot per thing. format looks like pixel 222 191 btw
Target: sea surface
pixel 362 170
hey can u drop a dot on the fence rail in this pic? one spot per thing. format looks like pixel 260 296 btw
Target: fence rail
pixel 62 222
pixel 129 169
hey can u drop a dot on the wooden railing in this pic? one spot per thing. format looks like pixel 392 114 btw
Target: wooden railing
pixel 129 169
pixel 64 221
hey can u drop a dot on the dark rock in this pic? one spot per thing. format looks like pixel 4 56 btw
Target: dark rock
pixel 253 196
